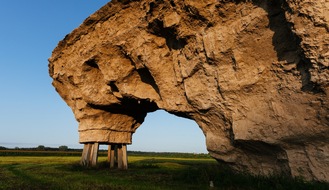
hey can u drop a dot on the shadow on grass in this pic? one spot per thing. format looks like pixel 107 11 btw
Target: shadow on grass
pixel 22 177
pixel 191 174
pixel 145 174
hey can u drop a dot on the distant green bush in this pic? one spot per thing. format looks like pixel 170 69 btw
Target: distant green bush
pixel 63 148
pixel 41 147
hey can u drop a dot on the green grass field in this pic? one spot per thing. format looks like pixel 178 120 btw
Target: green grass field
pixel 62 171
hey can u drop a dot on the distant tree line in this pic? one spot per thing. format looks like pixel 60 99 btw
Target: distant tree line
pixel 169 154
pixel 64 148
pixel 60 148
pixel 42 148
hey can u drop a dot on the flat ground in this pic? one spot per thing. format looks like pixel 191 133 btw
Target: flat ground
pixel 61 170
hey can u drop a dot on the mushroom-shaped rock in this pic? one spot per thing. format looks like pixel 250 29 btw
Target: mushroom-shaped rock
pixel 252 74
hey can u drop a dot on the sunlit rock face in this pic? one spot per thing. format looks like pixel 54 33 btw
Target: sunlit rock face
pixel 253 75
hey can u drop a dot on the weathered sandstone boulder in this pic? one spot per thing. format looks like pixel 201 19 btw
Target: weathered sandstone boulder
pixel 253 74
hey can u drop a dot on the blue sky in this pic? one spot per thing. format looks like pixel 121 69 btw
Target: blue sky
pixel 31 112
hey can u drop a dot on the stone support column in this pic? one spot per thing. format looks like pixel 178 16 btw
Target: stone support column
pixel 89 154
pixel 117 156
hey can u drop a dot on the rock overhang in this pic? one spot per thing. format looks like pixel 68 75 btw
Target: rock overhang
pixel 245 71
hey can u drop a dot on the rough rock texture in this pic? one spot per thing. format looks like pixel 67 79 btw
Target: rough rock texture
pixel 254 75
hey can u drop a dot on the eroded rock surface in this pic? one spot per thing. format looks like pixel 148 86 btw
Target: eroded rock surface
pixel 253 74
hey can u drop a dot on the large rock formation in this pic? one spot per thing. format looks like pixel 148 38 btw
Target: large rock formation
pixel 253 74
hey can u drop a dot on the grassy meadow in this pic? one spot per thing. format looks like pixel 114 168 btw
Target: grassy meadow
pixel 61 170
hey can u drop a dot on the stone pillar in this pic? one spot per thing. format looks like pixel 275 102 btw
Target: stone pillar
pixel 124 157
pixel 117 156
pixel 85 154
pixel 94 154
pixel 112 151
pixel 90 154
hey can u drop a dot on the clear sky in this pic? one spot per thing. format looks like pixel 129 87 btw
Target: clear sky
pixel 31 111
